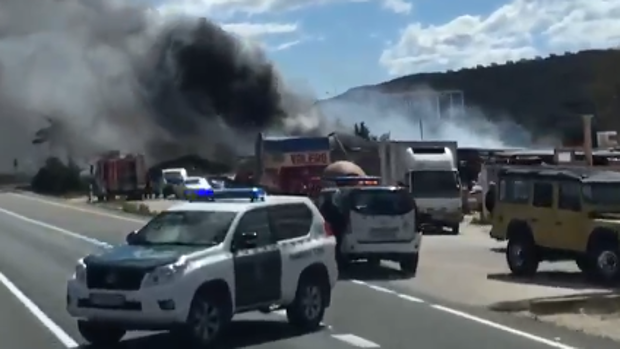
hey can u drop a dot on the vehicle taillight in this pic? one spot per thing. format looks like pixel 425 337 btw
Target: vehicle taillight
pixel 328 229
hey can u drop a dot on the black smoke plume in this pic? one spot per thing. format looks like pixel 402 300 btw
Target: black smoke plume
pixel 84 77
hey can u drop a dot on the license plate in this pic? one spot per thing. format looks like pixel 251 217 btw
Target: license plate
pixel 106 299
pixel 383 232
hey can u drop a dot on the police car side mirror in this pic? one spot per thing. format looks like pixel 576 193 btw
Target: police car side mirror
pixel 131 237
pixel 247 240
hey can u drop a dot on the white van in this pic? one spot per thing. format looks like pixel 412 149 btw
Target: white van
pixel 436 187
pixel 173 180
pixel 380 223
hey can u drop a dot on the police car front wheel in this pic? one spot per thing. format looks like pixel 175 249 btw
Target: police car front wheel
pixel 100 333
pixel 206 320
pixel 307 310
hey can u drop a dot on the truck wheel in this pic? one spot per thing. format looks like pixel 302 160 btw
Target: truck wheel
pixel 605 259
pixel 409 264
pixel 100 333
pixel 307 310
pixel 456 229
pixel 522 255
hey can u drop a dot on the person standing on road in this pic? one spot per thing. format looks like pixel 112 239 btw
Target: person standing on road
pixel 331 213
pixel 489 198
pixel 91 180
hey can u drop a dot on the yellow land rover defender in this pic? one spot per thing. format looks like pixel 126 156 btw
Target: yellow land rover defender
pixel 552 214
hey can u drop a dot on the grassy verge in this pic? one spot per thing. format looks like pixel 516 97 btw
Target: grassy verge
pixel 138 209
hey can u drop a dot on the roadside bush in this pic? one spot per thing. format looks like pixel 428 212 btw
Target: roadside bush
pixel 57 178
pixel 139 209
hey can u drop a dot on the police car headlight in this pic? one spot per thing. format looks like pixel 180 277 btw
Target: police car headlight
pixel 164 275
pixel 80 272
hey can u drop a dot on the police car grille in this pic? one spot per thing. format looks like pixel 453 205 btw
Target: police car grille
pixel 114 278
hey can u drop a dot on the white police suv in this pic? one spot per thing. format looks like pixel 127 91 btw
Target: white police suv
pixel 377 223
pixel 193 267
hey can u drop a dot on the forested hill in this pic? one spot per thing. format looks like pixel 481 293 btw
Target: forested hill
pixel 542 94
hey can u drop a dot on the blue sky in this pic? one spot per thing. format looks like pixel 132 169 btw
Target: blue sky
pixel 333 45
pixel 355 35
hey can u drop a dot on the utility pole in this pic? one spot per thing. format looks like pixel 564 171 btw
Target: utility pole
pixel 587 138
pixel 421 129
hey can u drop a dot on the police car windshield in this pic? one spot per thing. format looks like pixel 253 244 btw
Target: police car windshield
pixel 186 228
pixel 382 202
pixel 192 181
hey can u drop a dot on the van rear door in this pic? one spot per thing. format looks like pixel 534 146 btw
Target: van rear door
pixel 382 215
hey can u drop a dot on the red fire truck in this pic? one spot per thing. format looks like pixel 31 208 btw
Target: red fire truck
pixel 120 175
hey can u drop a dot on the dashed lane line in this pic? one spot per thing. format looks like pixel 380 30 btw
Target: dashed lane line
pixel 356 341
pixel 463 315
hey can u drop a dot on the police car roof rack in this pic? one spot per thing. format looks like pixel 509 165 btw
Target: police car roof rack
pixel 210 195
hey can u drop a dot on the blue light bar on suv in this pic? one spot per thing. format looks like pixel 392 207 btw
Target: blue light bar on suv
pixel 253 194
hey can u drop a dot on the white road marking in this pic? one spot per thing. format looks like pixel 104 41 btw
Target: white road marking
pixel 410 298
pixel 479 320
pixel 80 209
pixel 374 287
pixel 58 332
pixel 55 228
pixel 503 328
pixel 381 289
pixel 388 291
pixel 356 341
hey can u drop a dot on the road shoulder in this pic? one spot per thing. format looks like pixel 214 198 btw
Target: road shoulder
pixel 19 328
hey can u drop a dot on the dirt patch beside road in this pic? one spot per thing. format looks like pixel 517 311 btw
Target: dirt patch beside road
pixel 471 269
pixel 596 314
pixel 148 207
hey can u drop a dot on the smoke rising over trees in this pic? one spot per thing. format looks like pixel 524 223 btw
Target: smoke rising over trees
pixel 90 76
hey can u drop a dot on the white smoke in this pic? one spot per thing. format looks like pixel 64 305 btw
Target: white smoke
pixel 421 118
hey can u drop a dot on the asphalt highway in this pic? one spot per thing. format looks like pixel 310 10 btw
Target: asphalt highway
pixel 40 240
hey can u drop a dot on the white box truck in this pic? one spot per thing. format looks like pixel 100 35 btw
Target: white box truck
pixel 429 170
